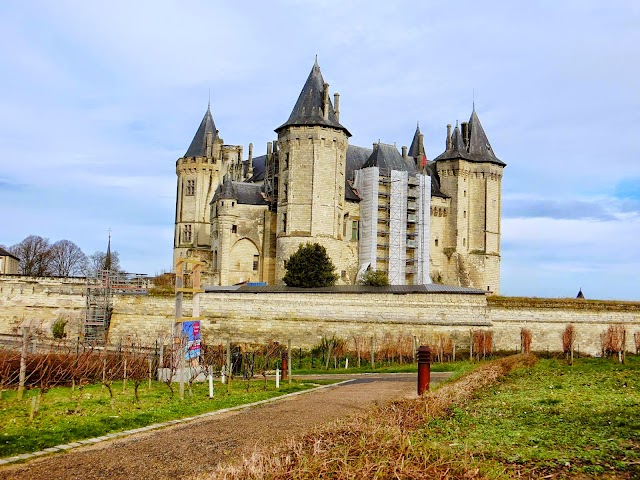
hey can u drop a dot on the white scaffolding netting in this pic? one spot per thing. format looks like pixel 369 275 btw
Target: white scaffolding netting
pixel 398 227
pixel 366 182
pixel 422 229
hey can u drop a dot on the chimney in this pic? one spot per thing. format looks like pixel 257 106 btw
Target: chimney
pixel 250 162
pixel 421 144
pixel 269 148
pixel 325 101
pixel 336 105
pixel 448 144
pixel 465 133
pixel 208 144
pixel 404 152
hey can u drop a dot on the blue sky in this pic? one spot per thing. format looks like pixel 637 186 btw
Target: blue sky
pixel 99 99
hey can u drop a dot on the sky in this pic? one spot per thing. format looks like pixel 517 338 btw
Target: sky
pixel 99 99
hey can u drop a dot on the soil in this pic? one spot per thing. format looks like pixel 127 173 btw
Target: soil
pixel 185 450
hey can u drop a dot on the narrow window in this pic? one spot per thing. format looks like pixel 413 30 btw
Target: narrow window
pixel 234 228
pixel 464 214
pixel 355 230
pixel 286 161
pixel 343 274
pixel 284 222
pixel 464 242
pixel 465 193
pixel 191 187
pixel 436 242
pixel 256 259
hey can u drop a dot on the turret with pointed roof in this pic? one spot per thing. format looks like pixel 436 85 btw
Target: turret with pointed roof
pixel 314 106
pixel 312 157
pixel 477 149
pixel 200 172
pixel 198 147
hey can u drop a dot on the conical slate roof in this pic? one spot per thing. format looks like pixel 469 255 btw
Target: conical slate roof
pixel 479 146
pixel 308 109
pixel 414 149
pixel 227 189
pixel 198 145
pixel 478 150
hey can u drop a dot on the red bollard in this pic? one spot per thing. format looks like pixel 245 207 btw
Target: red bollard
pixel 424 369
pixel 285 365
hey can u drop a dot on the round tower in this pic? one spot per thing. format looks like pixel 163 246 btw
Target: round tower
pixel 198 173
pixel 312 148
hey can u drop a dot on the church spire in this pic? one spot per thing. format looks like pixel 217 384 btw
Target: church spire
pixel 107 257
pixel 314 105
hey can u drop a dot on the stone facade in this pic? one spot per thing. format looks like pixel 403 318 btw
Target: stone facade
pixel 9 264
pixel 305 318
pixel 245 217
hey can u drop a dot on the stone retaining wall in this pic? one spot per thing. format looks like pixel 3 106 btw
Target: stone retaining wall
pixel 305 318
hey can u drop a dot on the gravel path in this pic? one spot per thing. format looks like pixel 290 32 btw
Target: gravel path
pixel 184 450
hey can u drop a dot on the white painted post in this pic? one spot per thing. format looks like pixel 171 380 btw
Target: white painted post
pixel 210 382
pixel 346 363
pixel 277 378
pixel 223 375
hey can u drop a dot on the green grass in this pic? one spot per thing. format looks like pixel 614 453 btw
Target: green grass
pixel 66 416
pixel 550 419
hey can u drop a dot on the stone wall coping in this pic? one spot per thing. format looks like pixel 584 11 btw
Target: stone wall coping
pixel 562 303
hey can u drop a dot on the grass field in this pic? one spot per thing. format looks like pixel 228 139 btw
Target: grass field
pixel 516 417
pixel 550 419
pixel 65 416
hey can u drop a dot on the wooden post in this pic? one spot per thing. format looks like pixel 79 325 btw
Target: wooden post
pixel 161 363
pixel 229 359
pixel 373 358
pixel 289 360
pixel 150 371
pixel 471 345
pixel 23 361
pixel 124 379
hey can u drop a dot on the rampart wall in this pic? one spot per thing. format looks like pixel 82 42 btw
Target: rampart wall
pixel 305 318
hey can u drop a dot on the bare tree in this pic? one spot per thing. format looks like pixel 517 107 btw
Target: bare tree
pixel 34 253
pixel 98 261
pixel 67 259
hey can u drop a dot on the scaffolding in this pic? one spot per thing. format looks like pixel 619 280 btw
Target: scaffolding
pixel 366 183
pixel 100 287
pixel 398 227
pixel 423 231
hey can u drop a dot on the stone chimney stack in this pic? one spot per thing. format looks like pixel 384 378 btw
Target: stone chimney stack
pixel 325 101
pixel 465 133
pixel 250 162
pixel 208 144
pixel 336 105
pixel 404 152
pixel 269 148
pixel 448 144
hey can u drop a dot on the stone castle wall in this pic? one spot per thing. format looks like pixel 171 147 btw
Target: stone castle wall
pixel 306 318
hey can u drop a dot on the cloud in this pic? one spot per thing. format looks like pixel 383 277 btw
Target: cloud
pixel 599 208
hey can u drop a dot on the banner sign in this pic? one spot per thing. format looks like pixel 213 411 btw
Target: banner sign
pixel 191 330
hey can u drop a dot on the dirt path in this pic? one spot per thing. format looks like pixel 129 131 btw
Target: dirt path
pixel 190 448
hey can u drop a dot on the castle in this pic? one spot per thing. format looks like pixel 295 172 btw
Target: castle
pixel 419 221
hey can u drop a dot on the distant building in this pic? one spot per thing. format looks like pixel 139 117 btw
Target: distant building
pixel 9 263
pixel 417 220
